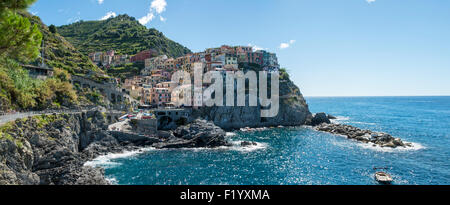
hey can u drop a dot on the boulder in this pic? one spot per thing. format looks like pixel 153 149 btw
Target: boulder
pixel 200 133
pixel 248 144
pixel 331 117
pixel 320 118
pixel 398 142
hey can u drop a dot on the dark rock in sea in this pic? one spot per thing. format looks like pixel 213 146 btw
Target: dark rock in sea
pixel 331 117
pixel 248 144
pixel 319 118
pixel 366 136
pixel 199 133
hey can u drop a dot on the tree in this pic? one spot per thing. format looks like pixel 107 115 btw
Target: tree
pixel 52 28
pixel 18 38
pixel 15 4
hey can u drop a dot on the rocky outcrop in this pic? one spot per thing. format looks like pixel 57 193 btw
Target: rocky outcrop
pixel 248 144
pixel 199 133
pixel 318 119
pixel 366 136
pixel 293 112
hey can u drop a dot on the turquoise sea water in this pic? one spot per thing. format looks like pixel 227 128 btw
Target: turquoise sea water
pixel 303 156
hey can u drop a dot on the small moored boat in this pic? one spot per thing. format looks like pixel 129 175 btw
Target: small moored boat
pixel 383 177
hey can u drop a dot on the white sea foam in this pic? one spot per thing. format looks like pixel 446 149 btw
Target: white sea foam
pixel 340 119
pixel 112 180
pixel 231 134
pixel 235 146
pixel 105 160
pixel 364 123
pixel 415 147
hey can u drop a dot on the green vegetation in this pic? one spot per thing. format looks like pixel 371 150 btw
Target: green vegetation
pixel 124 34
pixel 127 70
pixel 89 96
pixel 52 28
pixel 59 53
pixel 11 131
pixel 44 120
pixel 4 134
pixel 19 39
pixel 284 75
pixel 5 129
pixel 19 91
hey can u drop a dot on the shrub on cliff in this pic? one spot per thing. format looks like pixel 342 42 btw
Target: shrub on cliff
pixel 20 91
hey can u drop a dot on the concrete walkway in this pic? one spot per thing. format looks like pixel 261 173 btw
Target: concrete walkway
pixel 8 117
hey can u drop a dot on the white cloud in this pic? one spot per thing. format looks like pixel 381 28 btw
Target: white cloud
pixel 370 1
pixel 287 45
pixel 284 45
pixel 100 1
pixel 73 19
pixel 109 15
pixel 157 7
pixel 257 48
pixel 144 20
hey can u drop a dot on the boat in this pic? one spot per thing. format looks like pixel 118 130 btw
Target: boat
pixel 383 177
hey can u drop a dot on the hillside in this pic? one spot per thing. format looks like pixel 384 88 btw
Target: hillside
pixel 124 34
pixel 59 53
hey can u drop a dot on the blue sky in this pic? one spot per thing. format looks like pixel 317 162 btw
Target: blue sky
pixel 330 47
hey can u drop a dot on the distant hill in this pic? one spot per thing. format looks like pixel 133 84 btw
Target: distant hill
pixel 123 33
pixel 59 53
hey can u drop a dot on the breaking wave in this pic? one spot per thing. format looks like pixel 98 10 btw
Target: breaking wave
pixel 415 147
pixel 106 160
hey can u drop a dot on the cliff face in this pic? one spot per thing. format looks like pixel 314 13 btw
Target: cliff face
pixel 51 149
pixel 293 111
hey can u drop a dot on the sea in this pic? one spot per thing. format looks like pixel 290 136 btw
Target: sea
pixel 303 156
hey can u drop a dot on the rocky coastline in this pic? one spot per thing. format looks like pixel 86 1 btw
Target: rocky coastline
pixel 52 149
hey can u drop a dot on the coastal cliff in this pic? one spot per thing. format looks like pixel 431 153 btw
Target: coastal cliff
pixel 52 149
pixel 46 150
pixel 293 111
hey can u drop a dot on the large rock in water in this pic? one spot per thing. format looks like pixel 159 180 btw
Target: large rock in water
pixel 199 133
pixel 320 118
pixel 293 112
